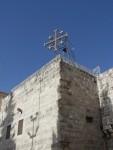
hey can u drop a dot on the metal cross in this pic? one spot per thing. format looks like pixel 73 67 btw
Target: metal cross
pixel 57 41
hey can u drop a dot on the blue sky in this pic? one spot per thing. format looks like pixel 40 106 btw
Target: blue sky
pixel 26 24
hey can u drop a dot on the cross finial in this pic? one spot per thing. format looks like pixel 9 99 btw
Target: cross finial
pixel 57 41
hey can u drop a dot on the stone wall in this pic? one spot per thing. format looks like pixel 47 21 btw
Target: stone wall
pixel 34 101
pixel 79 111
pixel 105 86
pixel 2 95
pixel 60 110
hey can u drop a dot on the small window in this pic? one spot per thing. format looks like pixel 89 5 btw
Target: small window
pixel 95 81
pixel 89 119
pixel 8 132
pixel 20 127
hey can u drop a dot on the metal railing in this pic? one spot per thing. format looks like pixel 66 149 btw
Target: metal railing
pixel 94 72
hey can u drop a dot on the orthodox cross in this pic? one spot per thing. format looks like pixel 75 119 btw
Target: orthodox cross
pixel 57 41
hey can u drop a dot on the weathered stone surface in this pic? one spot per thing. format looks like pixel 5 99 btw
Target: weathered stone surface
pixel 37 98
pixel 79 99
pixel 60 108
pixel 2 95
pixel 105 86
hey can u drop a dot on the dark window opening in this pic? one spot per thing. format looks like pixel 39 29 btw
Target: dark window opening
pixel 95 81
pixel 89 119
pixel 8 132
pixel 20 127
pixel 88 110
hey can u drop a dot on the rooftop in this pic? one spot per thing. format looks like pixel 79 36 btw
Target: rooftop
pixel 94 72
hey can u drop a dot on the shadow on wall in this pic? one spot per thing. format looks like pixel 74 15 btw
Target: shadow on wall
pixel 106 101
pixel 54 142
pixel 61 144
pixel 34 131
pixel 107 113
pixel 59 140
pixel 7 126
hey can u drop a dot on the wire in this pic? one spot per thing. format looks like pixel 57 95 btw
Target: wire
pixel 70 42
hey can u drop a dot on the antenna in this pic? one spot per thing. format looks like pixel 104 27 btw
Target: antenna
pixel 59 43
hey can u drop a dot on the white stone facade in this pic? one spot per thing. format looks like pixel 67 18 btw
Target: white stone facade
pixel 59 106
pixel 37 98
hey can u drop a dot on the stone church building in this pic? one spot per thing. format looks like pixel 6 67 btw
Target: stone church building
pixel 60 107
